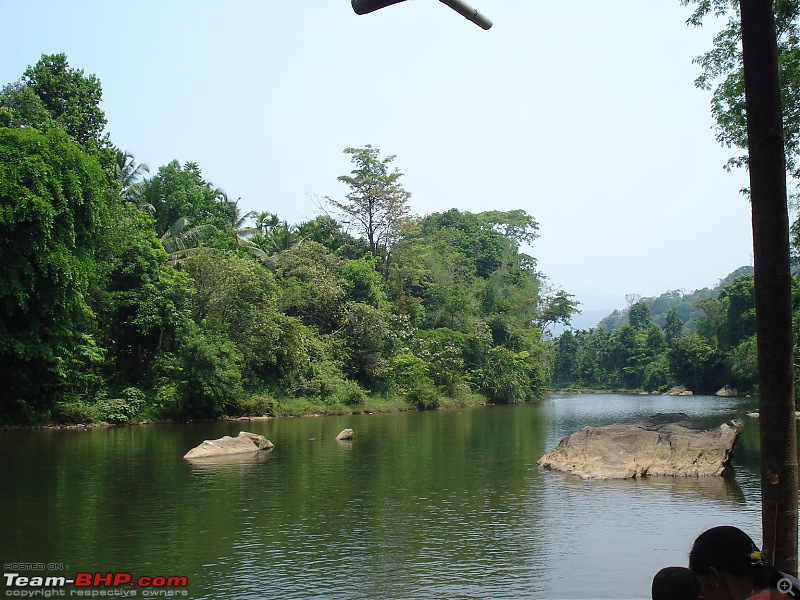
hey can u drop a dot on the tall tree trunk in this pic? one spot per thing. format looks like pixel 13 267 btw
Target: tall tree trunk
pixel 779 481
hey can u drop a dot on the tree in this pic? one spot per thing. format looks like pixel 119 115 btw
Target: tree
pixel 639 315
pixel 723 64
pixel 673 326
pixel 210 373
pixel 52 206
pixel 141 301
pixel 71 98
pixel 565 361
pixel 365 336
pixel 273 235
pixel 377 204
pixel 181 237
pixel 695 363
pixel 327 231
pixel 130 177
pixel 238 296
pixel 363 283
pixel 237 224
pixel 310 286
pixel 21 107
pixel 176 192
pixel 740 305
pixel 557 308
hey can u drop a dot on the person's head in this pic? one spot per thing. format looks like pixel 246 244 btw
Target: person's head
pixel 675 583
pixel 728 564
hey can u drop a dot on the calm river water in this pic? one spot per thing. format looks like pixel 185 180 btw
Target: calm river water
pixel 446 504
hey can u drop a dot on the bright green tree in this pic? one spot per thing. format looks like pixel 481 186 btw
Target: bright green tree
pixel 52 207
pixel 141 301
pixel 71 98
pixel 177 192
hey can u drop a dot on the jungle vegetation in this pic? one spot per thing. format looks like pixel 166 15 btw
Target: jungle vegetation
pixel 126 294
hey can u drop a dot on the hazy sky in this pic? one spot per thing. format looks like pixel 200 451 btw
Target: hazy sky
pixel 582 113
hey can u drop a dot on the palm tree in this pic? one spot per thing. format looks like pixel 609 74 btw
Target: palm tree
pixel 244 235
pixel 131 178
pixel 284 236
pixel 179 239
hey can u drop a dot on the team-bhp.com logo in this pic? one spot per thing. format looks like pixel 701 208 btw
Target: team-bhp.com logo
pixel 114 584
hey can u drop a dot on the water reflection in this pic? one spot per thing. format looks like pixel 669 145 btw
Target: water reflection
pixel 238 463
pixel 725 490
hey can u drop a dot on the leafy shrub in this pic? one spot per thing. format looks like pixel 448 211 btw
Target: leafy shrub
pixel 656 375
pixel 256 405
pixel 405 369
pixel 121 410
pixel 505 376
pixel 72 413
pixel 211 372
pixel 348 393
pixel 423 394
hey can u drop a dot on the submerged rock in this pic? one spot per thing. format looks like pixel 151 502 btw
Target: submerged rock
pixel 663 445
pixel 225 446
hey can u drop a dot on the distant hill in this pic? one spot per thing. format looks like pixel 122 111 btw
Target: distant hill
pixel 683 302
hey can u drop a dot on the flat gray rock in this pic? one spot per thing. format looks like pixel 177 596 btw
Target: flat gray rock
pixel 663 445
pixel 244 443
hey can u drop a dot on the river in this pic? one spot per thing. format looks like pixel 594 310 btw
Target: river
pixel 440 504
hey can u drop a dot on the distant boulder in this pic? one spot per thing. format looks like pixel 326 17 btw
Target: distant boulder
pixel 345 434
pixel 677 391
pixel 726 392
pixel 662 445
pixel 245 442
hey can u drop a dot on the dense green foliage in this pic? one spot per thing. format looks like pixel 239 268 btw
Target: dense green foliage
pixel 718 349
pixel 124 296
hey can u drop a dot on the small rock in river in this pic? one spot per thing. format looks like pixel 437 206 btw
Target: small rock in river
pixel 345 434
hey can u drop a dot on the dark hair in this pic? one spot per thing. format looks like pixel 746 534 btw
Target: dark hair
pixel 675 583
pixel 730 550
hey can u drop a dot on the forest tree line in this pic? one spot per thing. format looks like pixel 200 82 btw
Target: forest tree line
pixel 642 349
pixel 128 295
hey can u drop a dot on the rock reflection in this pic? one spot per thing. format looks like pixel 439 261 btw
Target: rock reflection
pixel 233 463
pixel 723 489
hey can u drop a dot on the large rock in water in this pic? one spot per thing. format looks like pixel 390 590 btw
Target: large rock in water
pixel 225 446
pixel 663 445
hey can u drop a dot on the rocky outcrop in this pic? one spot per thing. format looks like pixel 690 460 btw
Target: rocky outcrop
pixel 345 434
pixel 663 445
pixel 726 392
pixel 244 443
pixel 679 391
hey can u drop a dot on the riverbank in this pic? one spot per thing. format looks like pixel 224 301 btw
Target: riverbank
pixel 253 408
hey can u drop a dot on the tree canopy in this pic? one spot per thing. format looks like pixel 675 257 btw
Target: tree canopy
pixel 126 294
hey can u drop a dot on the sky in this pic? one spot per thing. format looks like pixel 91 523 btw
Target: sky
pixel 582 113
